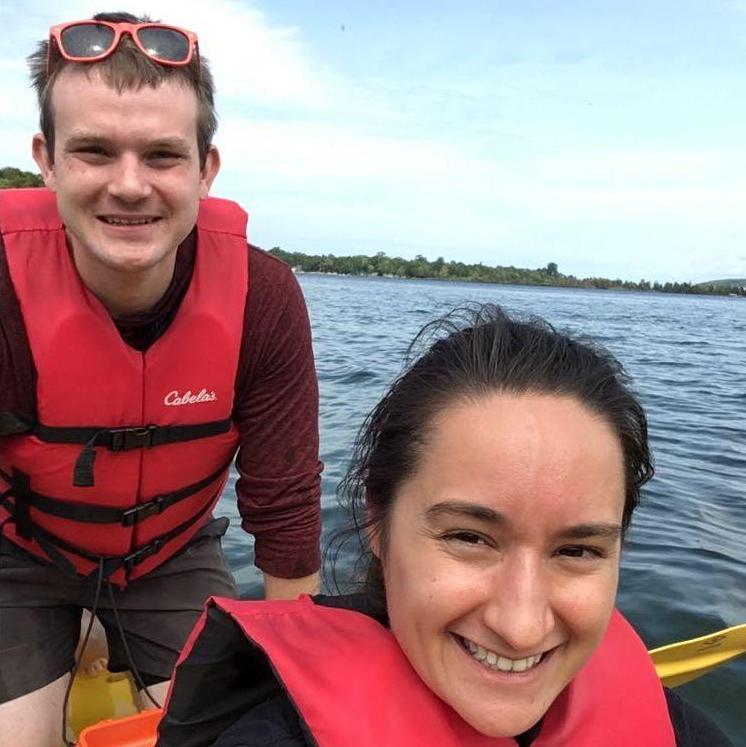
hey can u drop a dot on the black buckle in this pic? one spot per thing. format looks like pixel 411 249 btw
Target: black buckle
pixel 138 556
pixel 126 439
pixel 142 511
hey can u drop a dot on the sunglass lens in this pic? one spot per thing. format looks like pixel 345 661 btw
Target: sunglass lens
pixel 164 44
pixel 86 40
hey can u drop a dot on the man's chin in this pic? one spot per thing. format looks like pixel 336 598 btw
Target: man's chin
pixel 123 258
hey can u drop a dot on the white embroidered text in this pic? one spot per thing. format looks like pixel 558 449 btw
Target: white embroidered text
pixel 174 398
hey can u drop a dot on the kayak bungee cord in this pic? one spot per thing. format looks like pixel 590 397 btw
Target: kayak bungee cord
pixel 133 668
pixel 86 637
pixel 130 661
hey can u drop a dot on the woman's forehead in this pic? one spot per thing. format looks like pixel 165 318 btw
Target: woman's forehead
pixel 513 422
pixel 525 452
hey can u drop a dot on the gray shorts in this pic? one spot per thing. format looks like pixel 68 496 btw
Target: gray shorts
pixel 41 607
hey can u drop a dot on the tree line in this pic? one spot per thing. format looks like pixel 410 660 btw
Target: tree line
pixel 12 177
pixel 382 265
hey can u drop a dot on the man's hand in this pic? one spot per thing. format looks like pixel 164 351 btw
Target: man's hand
pixel 290 588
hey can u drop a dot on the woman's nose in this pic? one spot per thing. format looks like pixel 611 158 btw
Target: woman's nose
pixel 519 607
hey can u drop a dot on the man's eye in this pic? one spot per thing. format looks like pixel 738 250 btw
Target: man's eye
pixel 164 155
pixel 91 150
pixel 581 551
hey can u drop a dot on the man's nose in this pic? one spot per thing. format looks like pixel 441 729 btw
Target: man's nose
pixel 519 608
pixel 129 180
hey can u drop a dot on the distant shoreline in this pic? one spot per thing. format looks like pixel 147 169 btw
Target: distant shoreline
pixel 299 271
pixel 420 268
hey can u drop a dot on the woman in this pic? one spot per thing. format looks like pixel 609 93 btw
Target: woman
pixel 492 485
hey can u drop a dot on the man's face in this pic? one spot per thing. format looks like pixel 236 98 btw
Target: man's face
pixel 126 172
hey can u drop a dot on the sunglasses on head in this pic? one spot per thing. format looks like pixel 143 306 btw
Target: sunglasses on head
pixel 90 41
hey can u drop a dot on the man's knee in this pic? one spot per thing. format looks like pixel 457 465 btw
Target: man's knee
pixel 157 692
pixel 34 719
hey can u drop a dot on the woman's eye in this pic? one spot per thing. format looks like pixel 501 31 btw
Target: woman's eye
pixel 467 538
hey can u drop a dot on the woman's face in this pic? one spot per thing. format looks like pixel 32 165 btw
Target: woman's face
pixel 502 557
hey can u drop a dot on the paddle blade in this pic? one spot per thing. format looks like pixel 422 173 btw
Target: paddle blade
pixel 681 662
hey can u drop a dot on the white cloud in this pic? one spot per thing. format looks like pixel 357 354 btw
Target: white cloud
pixel 251 59
pixel 305 150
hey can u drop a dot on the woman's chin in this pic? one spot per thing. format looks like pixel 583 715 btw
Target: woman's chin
pixel 502 724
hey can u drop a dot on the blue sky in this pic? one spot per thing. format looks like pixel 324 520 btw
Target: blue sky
pixel 609 137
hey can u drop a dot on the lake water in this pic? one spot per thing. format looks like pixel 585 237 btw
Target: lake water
pixel 684 565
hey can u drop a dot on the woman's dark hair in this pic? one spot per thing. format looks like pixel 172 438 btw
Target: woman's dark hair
pixel 473 352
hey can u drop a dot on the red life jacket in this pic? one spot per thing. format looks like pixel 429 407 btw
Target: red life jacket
pixel 352 685
pixel 131 450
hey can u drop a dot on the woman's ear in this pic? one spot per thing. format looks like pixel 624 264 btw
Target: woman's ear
pixel 374 540
pixel 372 528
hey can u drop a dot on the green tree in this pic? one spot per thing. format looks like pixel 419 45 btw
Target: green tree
pixel 12 177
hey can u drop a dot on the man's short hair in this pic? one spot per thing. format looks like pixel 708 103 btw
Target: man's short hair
pixel 127 68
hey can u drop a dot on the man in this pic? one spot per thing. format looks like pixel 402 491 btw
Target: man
pixel 141 346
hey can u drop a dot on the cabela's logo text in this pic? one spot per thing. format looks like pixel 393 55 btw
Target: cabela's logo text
pixel 172 399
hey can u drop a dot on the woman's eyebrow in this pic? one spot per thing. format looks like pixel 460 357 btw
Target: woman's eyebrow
pixel 600 529
pixel 464 508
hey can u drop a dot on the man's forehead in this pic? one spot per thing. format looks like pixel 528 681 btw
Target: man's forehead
pixel 79 74
pixel 85 105
pixel 79 93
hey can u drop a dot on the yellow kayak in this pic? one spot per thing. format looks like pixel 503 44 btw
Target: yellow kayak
pixel 101 698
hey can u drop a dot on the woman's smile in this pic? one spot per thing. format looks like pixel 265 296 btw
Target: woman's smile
pixel 496 662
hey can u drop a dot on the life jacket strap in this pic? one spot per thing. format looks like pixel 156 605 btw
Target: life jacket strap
pixel 160 503
pixel 18 514
pixel 124 438
pixel 25 498
pixel 51 545
pixel 19 509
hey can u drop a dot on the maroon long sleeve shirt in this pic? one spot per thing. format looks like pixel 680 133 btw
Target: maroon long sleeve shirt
pixel 275 406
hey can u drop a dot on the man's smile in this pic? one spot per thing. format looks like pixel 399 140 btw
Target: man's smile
pixel 128 220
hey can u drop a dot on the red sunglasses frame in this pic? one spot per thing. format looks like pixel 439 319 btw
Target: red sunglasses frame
pixel 120 29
